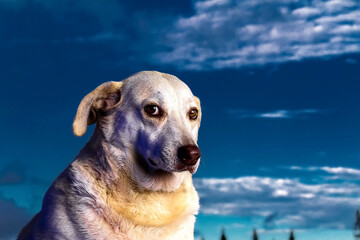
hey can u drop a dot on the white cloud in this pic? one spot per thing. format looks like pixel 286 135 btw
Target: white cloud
pixel 276 114
pixel 347 29
pixel 231 34
pixel 280 193
pixel 219 34
pixel 210 3
pixel 338 5
pixel 289 201
pixel 351 16
pixel 335 172
pixel 306 12
pixel 341 170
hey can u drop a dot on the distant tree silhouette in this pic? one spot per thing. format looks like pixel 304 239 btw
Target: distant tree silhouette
pixel 223 237
pixel 357 225
pixel 255 236
pixel 291 237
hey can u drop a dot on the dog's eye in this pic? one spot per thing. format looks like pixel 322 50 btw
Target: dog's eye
pixel 193 114
pixel 152 110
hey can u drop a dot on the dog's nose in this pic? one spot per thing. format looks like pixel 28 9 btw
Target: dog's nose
pixel 189 154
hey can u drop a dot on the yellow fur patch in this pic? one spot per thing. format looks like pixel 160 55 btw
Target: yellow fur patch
pixel 152 209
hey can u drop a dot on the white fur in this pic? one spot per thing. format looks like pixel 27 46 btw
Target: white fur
pixel 127 182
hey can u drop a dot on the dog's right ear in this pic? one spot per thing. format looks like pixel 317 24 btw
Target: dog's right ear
pixel 103 98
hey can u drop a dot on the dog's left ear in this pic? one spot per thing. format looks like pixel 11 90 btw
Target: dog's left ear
pixel 103 98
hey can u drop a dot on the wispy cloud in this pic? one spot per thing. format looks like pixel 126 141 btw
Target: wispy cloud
pixel 341 170
pixel 99 37
pixel 351 61
pixel 291 201
pixel 275 114
pixel 231 34
pixel 335 172
pixel 219 34
pixel 20 197
pixel 13 173
pixel 12 220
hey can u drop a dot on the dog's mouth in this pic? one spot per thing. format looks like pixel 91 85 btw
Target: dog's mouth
pixel 152 163
pixel 151 167
pixel 191 169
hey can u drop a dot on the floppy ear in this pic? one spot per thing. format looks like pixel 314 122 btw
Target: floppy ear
pixel 103 98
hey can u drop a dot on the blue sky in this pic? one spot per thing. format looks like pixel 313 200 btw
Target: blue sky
pixel 279 86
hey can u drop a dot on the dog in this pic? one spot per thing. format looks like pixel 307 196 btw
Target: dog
pixel 133 179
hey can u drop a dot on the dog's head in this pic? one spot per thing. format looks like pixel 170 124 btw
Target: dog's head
pixel 150 121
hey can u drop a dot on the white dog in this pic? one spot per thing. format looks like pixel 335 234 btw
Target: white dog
pixel 132 180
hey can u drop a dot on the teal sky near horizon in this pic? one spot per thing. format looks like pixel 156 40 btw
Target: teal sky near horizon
pixel 278 82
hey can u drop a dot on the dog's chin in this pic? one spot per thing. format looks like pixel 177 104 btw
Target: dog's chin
pixel 151 177
pixel 190 169
pixel 153 168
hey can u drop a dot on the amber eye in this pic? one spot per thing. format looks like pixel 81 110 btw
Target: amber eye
pixel 193 114
pixel 152 110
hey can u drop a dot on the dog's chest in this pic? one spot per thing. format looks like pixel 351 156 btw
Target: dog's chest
pixel 123 213
pixel 183 230
pixel 100 229
pixel 154 209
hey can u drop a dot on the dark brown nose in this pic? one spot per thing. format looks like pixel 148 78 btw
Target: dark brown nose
pixel 189 154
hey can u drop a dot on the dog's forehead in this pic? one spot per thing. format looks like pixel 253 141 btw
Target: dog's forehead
pixel 156 84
